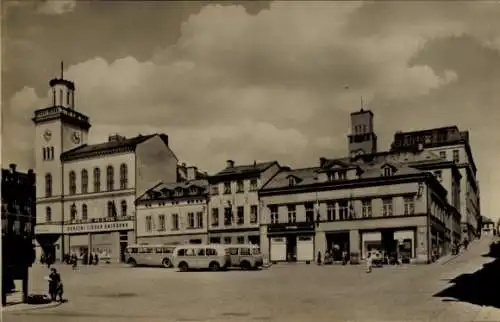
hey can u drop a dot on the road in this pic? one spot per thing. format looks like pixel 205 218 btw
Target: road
pixel 281 293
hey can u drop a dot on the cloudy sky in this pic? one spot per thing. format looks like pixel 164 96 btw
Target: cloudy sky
pixel 263 81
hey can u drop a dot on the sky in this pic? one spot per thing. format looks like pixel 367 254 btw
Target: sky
pixel 258 81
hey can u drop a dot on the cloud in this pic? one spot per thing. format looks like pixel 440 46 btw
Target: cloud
pixel 56 7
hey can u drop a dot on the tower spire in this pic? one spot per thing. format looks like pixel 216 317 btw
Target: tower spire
pixel 62 69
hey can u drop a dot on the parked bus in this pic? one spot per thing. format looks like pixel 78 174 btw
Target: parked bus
pixel 245 256
pixel 190 257
pixel 150 255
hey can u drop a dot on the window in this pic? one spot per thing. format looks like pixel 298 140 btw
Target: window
pixel 214 190
pixel 123 176
pixel 439 175
pixel 330 211
pixel 110 180
pixel 227 187
pixel 48 214
pixel 111 210
pixel 175 222
pixel 84 212
pixel 48 185
pixel 456 156
pixel 72 183
pixel 253 185
pixel 215 240
pixel 240 186
pixel 178 192
pixel 241 240
pixel 211 251
pixel 149 224
pixel 201 252
pixel 190 220
pixel 253 214
pixel 161 223
pixel 124 208
pixel 199 219
pixel 274 214
pixel 72 212
pixel 241 215
pixel 227 240
pixel 215 216
pixel 442 154
pixel 245 251
pixel 337 175
pixel 309 212
pixel 343 210
pixel 388 171
pixel 292 214
pixel 387 207
pixel 291 181
pixel 85 181
pixel 366 206
pixel 228 216
pixel 97 180
pixel 409 204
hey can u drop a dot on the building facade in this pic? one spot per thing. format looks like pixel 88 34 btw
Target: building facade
pixel 86 192
pixel 18 222
pixel 451 144
pixel 176 212
pixel 235 210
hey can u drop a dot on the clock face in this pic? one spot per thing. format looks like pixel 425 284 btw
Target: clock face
pixel 76 137
pixel 47 135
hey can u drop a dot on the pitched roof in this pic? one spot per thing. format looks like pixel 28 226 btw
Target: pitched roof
pixel 115 146
pixel 249 169
pixel 158 191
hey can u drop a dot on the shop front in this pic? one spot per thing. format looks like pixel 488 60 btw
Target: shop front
pixel 291 243
pixel 397 243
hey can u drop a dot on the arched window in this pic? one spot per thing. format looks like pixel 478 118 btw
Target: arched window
pixel 48 215
pixel 110 180
pixel 124 208
pixel 85 181
pixel 84 212
pixel 111 209
pixel 72 212
pixel 48 185
pixel 123 176
pixel 97 180
pixel 72 183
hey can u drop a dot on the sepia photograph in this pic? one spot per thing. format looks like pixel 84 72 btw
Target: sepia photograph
pixel 260 161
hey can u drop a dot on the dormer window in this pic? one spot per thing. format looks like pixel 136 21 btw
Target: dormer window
pixel 336 175
pixel 193 190
pixel 227 187
pixel 291 181
pixel 388 170
pixel 165 192
pixel 178 192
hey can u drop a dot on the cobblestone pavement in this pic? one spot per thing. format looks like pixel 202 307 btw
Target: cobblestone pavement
pixel 281 293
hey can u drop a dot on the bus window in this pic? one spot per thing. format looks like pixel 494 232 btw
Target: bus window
pixel 233 251
pixel 245 251
pixel 211 252
pixel 201 252
pixel 167 250
pixel 181 252
pixel 158 250
pixel 148 250
pixel 190 252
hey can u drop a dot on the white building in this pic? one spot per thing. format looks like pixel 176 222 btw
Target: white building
pixel 234 202
pixel 175 212
pixel 86 193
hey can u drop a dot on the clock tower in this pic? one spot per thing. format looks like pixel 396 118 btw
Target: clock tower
pixel 58 128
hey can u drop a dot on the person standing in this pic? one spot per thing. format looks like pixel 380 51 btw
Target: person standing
pixel 369 262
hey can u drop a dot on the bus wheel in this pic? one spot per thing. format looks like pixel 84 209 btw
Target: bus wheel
pixel 132 262
pixel 214 266
pixel 166 263
pixel 246 265
pixel 183 267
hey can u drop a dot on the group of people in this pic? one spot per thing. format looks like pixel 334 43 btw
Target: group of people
pixel 87 259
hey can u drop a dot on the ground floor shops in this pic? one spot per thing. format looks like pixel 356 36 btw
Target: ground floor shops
pixel 173 239
pixel 288 242
pixel 236 236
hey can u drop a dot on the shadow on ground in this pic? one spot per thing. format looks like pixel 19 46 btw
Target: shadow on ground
pixel 480 287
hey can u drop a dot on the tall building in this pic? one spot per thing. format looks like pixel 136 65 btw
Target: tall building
pixel 452 145
pixel 362 139
pixel 86 192
pixel 18 220
pixel 234 202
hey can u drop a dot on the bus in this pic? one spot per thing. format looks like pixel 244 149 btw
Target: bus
pixel 150 255
pixel 245 256
pixel 193 257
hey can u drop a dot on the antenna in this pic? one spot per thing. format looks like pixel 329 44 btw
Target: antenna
pixel 62 69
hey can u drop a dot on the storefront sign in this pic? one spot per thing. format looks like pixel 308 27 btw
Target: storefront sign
pixel 48 229
pixel 98 227
pixel 297 227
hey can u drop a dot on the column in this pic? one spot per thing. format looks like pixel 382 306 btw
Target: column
pixel 422 245
pixel 354 241
pixel 319 245
pixel 264 244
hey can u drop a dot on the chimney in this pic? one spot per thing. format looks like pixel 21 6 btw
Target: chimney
pixel 12 167
pixel 229 163
pixel 322 161
pixel 115 137
pixel 191 172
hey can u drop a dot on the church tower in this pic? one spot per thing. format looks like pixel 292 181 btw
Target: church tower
pixel 362 139
pixel 58 128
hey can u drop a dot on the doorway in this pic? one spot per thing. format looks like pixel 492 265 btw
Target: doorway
pixel 291 248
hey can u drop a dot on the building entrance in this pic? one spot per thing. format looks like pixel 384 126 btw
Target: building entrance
pixel 337 243
pixel 291 248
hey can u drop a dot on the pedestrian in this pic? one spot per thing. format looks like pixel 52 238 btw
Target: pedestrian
pixel 96 259
pixel 466 243
pixel 369 262
pixel 55 285
pixel 318 259
pixel 48 260
pixel 74 261
pixel 91 258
